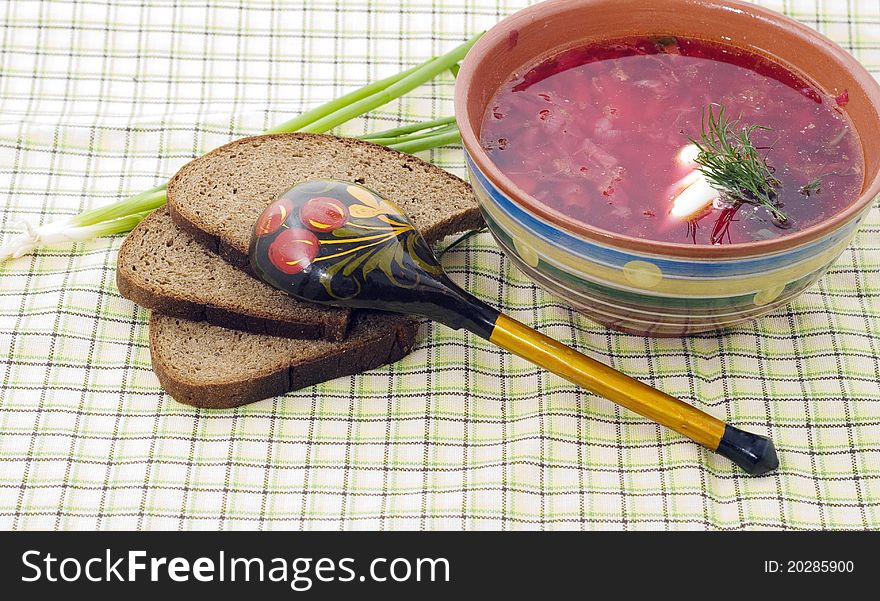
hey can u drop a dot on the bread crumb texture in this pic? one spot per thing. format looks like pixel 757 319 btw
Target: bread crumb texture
pixel 223 193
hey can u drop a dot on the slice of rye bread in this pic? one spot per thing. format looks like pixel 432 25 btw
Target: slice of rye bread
pixel 162 268
pixel 208 366
pixel 218 197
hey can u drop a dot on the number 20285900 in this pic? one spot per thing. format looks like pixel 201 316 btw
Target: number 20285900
pixel 814 566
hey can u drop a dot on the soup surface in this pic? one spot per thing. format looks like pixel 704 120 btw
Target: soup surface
pixel 604 135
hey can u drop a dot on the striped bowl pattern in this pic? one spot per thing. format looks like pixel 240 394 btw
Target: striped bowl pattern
pixel 653 294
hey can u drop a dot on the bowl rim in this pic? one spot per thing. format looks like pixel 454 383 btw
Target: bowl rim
pixel 499 34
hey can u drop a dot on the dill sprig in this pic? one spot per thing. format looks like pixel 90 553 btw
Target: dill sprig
pixel 814 186
pixel 732 164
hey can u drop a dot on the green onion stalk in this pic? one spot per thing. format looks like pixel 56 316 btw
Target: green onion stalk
pixel 122 216
pixel 418 136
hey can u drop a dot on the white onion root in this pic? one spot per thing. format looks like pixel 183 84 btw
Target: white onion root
pixel 56 232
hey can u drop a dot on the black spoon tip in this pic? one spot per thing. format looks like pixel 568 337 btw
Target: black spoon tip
pixel 755 454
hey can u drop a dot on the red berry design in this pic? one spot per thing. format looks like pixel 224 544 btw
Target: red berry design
pixel 293 250
pixel 323 214
pixel 273 216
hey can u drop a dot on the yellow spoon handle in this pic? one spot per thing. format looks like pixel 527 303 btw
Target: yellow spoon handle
pixel 754 453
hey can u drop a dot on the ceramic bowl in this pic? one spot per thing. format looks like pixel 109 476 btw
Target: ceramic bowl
pixel 638 285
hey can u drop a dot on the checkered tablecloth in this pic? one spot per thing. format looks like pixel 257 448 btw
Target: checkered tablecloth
pixel 99 100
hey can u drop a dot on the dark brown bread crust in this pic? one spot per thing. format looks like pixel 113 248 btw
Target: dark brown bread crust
pixel 183 210
pixel 387 338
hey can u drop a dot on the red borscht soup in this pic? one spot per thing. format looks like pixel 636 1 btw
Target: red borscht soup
pixel 675 140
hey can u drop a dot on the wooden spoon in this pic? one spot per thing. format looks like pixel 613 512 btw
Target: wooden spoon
pixel 338 243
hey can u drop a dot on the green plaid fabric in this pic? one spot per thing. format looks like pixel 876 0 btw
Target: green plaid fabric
pixel 100 100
